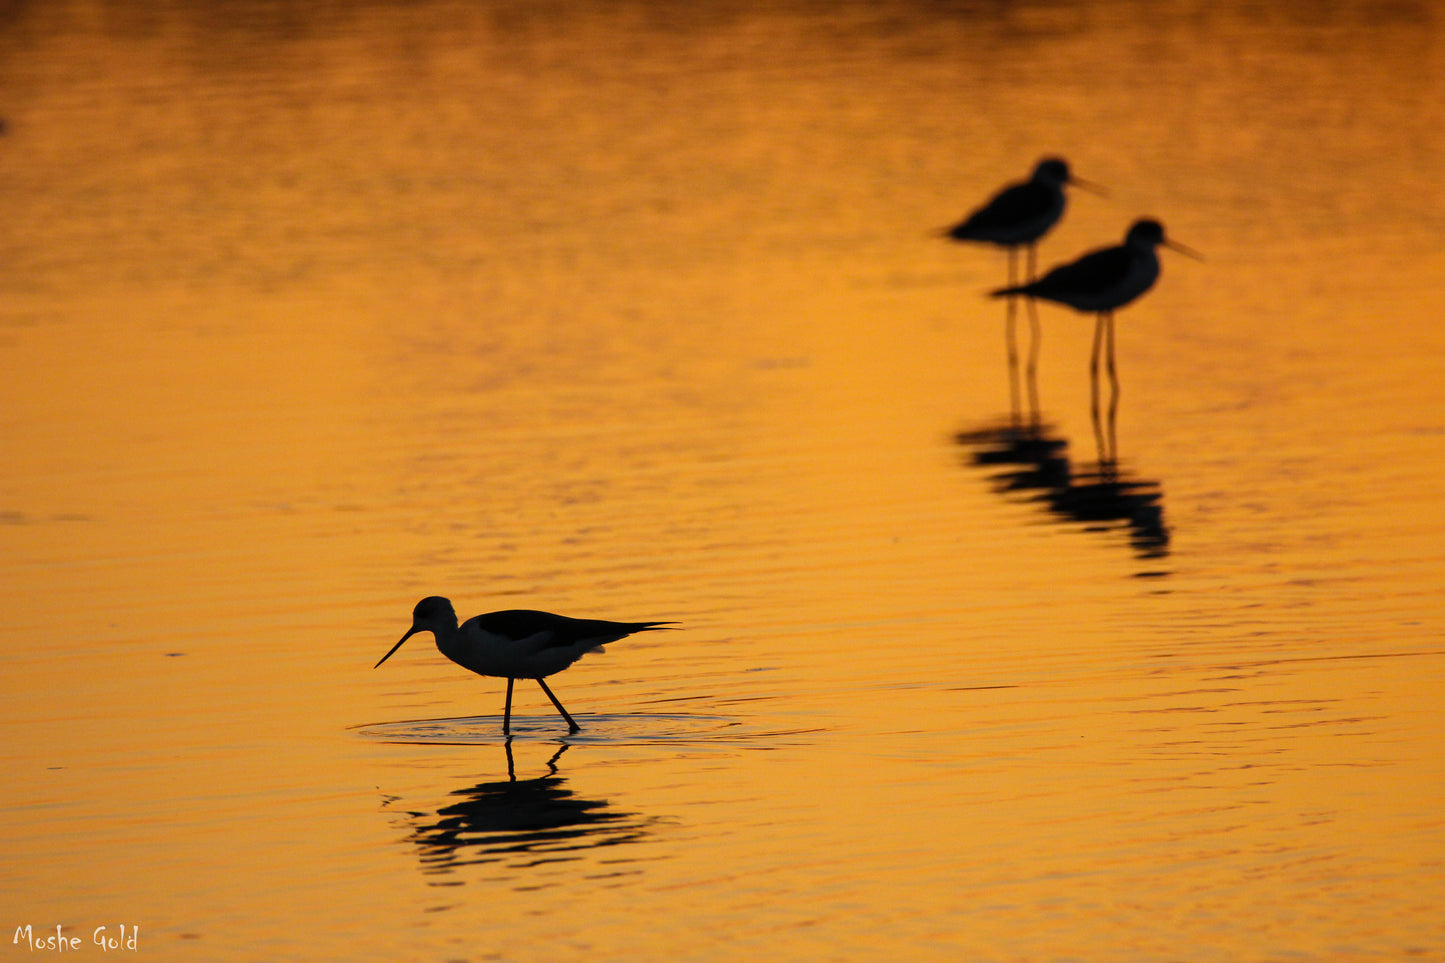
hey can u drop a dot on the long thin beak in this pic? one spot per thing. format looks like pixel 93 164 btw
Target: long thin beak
pixel 1183 249
pixel 1089 186
pixel 408 635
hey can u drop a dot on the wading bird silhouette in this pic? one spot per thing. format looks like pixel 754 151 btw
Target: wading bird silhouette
pixel 1016 217
pixel 1101 282
pixel 516 644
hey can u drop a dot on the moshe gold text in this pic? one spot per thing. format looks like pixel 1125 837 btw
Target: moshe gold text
pixel 126 938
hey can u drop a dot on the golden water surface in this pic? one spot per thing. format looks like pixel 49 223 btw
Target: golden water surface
pixel 639 310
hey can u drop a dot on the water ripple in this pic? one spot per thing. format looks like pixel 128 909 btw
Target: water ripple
pixel 608 729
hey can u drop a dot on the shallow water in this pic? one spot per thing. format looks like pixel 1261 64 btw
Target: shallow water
pixel 625 312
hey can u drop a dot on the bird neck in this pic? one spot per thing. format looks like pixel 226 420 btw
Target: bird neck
pixel 1146 255
pixel 446 633
pixel 442 626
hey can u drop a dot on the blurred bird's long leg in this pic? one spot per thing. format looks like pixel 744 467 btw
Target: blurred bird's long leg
pixel 1011 338
pixel 1094 386
pixel 1036 335
pixel 1113 437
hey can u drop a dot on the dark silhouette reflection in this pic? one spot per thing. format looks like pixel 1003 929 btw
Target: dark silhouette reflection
pixel 1099 495
pixel 520 823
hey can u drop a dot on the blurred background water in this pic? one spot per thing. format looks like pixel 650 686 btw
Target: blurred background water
pixel 636 310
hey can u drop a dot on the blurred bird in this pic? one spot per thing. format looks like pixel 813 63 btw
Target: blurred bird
pixel 1016 217
pixel 1103 281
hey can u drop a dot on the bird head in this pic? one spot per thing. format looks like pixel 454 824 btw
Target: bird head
pixel 1149 233
pixel 1055 172
pixel 432 614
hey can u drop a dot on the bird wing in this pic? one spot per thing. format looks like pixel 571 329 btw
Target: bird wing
pixel 1010 207
pixel 1096 272
pixel 557 630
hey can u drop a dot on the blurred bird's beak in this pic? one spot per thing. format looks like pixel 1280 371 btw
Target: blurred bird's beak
pixel 1089 186
pixel 1183 249
pixel 410 632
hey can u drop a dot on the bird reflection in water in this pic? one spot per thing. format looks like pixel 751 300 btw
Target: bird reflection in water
pixel 521 824
pixel 1101 495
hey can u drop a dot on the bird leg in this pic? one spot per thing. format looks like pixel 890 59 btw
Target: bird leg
pixel 1035 339
pixel 1094 359
pixel 572 726
pixel 1011 338
pixel 1114 395
pixel 507 715
pixel 1094 387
